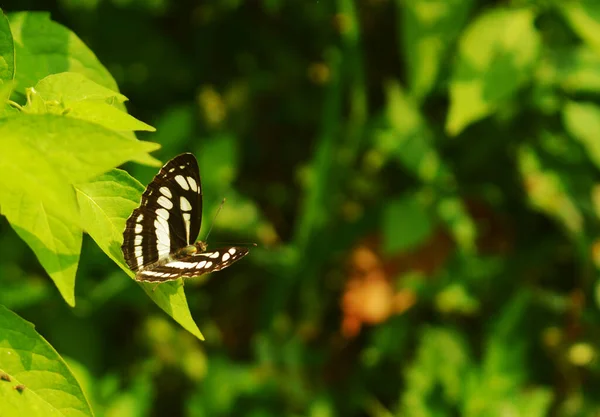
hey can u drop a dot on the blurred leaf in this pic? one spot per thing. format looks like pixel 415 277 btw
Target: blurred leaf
pixel 406 224
pixel 584 17
pixel 576 70
pixel 429 28
pixel 106 202
pixel 5 92
pixel 7 51
pixel 74 95
pixel 497 55
pixel 547 192
pixel 434 378
pixel 44 47
pixel 582 121
pixel 50 389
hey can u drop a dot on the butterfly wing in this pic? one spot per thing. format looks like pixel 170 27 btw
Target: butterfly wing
pixel 169 215
pixel 193 265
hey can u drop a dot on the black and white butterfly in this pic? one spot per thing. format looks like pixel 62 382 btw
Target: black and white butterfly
pixel 159 241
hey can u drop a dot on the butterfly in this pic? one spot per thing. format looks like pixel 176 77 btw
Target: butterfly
pixel 159 241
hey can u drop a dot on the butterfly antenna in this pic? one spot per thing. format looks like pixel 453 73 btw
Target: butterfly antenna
pixel 215 218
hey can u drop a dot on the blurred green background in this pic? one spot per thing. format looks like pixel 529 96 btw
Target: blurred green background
pixel 421 177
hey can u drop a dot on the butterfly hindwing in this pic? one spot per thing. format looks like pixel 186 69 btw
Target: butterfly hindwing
pixel 193 265
pixel 169 215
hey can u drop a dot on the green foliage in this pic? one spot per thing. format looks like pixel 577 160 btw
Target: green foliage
pixel 48 388
pixel 421 177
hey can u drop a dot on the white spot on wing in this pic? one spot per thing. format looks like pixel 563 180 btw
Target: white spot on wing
pixel 187 219
pixel 225 257
pixel 138 228
pixel 162 213
pixel 193 184
pixel 140 218
pixel 138 240
pixel 163 243
pixel 208 264
pixel 182 182
pixel 181 265
pixel 165 202
pixel 166 192
pixel 232 251
pixel 201 264
pixel 172 169
pixel 214 255
pixel 185 204
pixel 138 251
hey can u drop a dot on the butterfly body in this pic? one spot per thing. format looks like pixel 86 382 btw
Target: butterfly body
pixel 159 237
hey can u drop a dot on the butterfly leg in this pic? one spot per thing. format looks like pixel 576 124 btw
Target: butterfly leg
pixel 155 287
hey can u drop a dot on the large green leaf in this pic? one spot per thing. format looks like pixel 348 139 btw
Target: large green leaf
pixel 105 204
pixel 7 51
pixel 26 359
pixel 74 95
pixel 497 55
pixel 43 156
pixel 428 29
pixel 44 47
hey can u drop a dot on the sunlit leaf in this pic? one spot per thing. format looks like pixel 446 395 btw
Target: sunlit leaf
pixel 44 47
pixel 47 386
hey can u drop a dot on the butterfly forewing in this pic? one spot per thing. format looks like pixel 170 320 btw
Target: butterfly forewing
pixel 169 214
pixel 193 265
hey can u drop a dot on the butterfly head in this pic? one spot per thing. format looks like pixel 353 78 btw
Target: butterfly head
pixel 200 246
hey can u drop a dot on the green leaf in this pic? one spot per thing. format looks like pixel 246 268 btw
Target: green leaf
pixel 48 152
pixel 70 86
pixel 406 224
pixel 44 47
pixel 497 55
pixel 428 30
pixel 582 121
pixel 43 157
pixel 50 389
pixel 547 192
pixel 584 18
pixel 76 96
pixel 106 202
pixel 52 232
pixel 442 360
pixel 576 70
pixel 7 51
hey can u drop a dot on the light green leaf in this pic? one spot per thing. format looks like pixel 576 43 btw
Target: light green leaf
pixel 49 151
pixel 52 232
pixel 582 121
pixel 497 56
pixel 406 224
pixel 106 115
pixel 105 204
pixel 428 30
pixel 50 389
pixel 7 51
pixel 68 87
pixel 44 47
pixel 42 157
pixel 73 95
pixel 584 17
